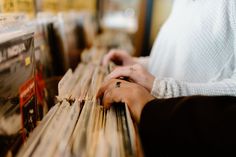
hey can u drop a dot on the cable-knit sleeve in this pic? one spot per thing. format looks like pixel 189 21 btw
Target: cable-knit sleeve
pixel 170 87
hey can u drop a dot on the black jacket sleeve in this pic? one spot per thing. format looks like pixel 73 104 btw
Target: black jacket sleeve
pixel 189 126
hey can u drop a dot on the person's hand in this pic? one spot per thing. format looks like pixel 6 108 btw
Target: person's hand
pixel 132 94
pixel 119 57
pixel 136 73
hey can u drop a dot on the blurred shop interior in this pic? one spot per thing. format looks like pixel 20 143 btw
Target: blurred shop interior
pixel 40 40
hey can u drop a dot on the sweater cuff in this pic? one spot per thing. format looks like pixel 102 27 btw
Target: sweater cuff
pixel 165 88
pixel 157 87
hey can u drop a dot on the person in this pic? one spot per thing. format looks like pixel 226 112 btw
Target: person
pixel 194 53
pixel 183 126
pixel 183 93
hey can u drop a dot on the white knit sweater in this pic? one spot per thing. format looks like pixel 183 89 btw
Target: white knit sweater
pixel 195 52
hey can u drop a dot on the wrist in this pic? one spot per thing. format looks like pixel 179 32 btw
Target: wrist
pixel 150 82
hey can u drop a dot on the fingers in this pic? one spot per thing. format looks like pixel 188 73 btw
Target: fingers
pixel 119 57
pixel 132 94
pixel 103 88
pixel 107 85
pixel 113 55
pixel 126 71
pixel 111 92
pixel 107 58
pixel 135 73
pixel 112 96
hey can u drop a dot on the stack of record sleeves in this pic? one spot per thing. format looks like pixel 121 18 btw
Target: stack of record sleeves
pixel 78 125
